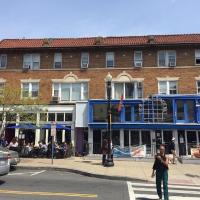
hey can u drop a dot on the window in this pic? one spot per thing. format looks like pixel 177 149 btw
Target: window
pixel 3 60
pixel 99 113
pixel 110 59
pixel 138 58
pixel 167 87
pixel 60 117
pixel 167 58
pixel 58 60
pixel 2 86
pixel 68 117
pixel 30 90
pixel 71 91
pixel 51 117
pixel 197 56
pixel 198 87
pixel 31 61
pixel 130 90
pixel 84 60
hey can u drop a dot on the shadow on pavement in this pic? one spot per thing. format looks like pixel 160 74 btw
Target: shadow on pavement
pixel 193 176
pixel 2 182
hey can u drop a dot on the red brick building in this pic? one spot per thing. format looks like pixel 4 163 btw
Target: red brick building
pixel 65 73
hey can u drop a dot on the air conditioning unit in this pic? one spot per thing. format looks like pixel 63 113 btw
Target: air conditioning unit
pixel 27 66
pixel 172 64
pixel 84 65
pixel 138 64
pixel 139 84
pixel 55 99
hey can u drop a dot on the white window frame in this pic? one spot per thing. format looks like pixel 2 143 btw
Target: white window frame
pixel 138 60
pixel 30 87
pixel 31 61
pixel 70 95
pixel 107 57
pixel 85 55
pixel 135 95
pixel 197 51
pixel 57 59
pixel 167 86
pixel 1 55
pixel 166 53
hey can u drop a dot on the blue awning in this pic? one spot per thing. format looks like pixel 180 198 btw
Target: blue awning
pixel 24 126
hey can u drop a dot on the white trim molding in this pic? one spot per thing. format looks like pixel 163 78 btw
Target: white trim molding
pixel 30 80
pixel 125 77
pixel 167 78
pixel 197 78
pixel 2 80
pixel 70 78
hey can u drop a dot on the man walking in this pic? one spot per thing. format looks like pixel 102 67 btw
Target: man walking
pixel 161 168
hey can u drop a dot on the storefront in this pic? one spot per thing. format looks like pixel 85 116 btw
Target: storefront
pixel 140 123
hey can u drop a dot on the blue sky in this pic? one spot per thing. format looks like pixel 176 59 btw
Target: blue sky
pixel 82 18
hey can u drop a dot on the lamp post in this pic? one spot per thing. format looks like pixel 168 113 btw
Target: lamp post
pixel 109 162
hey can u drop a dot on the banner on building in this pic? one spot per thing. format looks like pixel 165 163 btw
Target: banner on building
pixel 127 152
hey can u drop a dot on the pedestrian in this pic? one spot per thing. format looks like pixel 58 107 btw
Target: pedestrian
pixel 3 141
pixel 160 169
pixel 104 150
pixel 172 150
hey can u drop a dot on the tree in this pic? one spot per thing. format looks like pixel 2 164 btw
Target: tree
pixel 13 107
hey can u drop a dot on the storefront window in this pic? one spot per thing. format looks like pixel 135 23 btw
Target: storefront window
pixel 43 117
pixel 116 137
pixel 100 113
pixel 180 110
pixel 146 139
pixel 115 113
pixel 51 117
pixel 137 114
pixel 126 138
pixel 168 115
pixel 68 117
pixel 127 113
pixel 190 110
pixel 135 138
pixel 60 117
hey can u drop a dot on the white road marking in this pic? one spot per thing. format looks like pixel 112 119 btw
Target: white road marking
pixel 36 173
pixel 178 192
pixel 13 174
pixel 130 191
pixel 153 197
pixel 169 186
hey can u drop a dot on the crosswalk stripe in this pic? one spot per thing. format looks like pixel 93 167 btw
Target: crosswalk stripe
pixel 171 191
pixel 139 190
pixel 169 186
pixel 153 197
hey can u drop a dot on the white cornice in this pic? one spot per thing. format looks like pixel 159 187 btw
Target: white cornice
pixel 167 78
pixel 30 80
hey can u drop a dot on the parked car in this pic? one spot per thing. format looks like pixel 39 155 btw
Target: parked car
pixel 4 164
pixel 13 156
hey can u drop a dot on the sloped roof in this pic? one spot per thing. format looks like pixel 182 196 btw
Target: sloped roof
pixel 100 41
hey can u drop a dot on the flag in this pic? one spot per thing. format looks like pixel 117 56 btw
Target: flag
pixel 120 103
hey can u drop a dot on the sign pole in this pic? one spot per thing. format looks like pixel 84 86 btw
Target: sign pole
pixel 53 133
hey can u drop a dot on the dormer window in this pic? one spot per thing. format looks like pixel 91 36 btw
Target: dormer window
pixel 31 61
pixel 110 59
pixel 3 60
pixel 84 60
pixel 166 58
pixel 58 60
pixel 138 58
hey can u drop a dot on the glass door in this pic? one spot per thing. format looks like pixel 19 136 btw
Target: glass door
pixel 167 138
pixel 135 138
pixel 191 140
pixel 146 139
pixel 181 143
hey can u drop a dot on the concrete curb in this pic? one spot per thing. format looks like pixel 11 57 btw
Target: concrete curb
pixel 120 178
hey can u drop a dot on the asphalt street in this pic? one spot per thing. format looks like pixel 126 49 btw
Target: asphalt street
pixel 54 185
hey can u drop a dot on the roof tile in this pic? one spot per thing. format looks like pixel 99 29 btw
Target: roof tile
pixel 100 41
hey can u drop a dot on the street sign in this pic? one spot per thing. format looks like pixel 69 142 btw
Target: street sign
pixel 53 129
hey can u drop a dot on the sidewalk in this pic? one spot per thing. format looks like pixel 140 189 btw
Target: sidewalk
pixel 123 170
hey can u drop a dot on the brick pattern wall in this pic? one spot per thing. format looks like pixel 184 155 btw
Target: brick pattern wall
pixel 185 69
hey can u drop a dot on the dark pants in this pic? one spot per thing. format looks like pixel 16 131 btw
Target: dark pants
pixel 162 176
pixel 103 159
